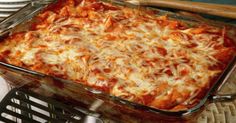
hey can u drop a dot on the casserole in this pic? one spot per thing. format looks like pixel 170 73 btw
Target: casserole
pixel 84 47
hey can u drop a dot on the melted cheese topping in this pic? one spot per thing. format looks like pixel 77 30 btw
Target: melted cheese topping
pixel 125 52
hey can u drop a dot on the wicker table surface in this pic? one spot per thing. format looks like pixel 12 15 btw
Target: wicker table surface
pixel 221 112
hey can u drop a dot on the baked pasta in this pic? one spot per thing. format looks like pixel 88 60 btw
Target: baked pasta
pixel 125 52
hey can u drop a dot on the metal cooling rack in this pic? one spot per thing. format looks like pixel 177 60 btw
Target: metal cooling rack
pixel 8 7
pixel 23 106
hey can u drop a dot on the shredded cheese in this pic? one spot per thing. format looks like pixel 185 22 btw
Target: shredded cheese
pixel 123 51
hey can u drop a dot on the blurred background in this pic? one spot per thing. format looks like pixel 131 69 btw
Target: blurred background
pixel 230 2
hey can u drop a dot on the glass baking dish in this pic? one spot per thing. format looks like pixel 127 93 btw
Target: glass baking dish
pixel 77 94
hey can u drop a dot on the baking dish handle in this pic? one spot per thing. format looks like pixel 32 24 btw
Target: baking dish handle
pixel 230 70
pixel 223 97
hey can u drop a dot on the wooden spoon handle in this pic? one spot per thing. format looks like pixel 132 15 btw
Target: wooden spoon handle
pixel 228 11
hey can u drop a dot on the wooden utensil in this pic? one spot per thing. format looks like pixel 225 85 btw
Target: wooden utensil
pixel 228 11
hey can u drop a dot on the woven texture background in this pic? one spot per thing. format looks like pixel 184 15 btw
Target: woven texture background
pixel 221 112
